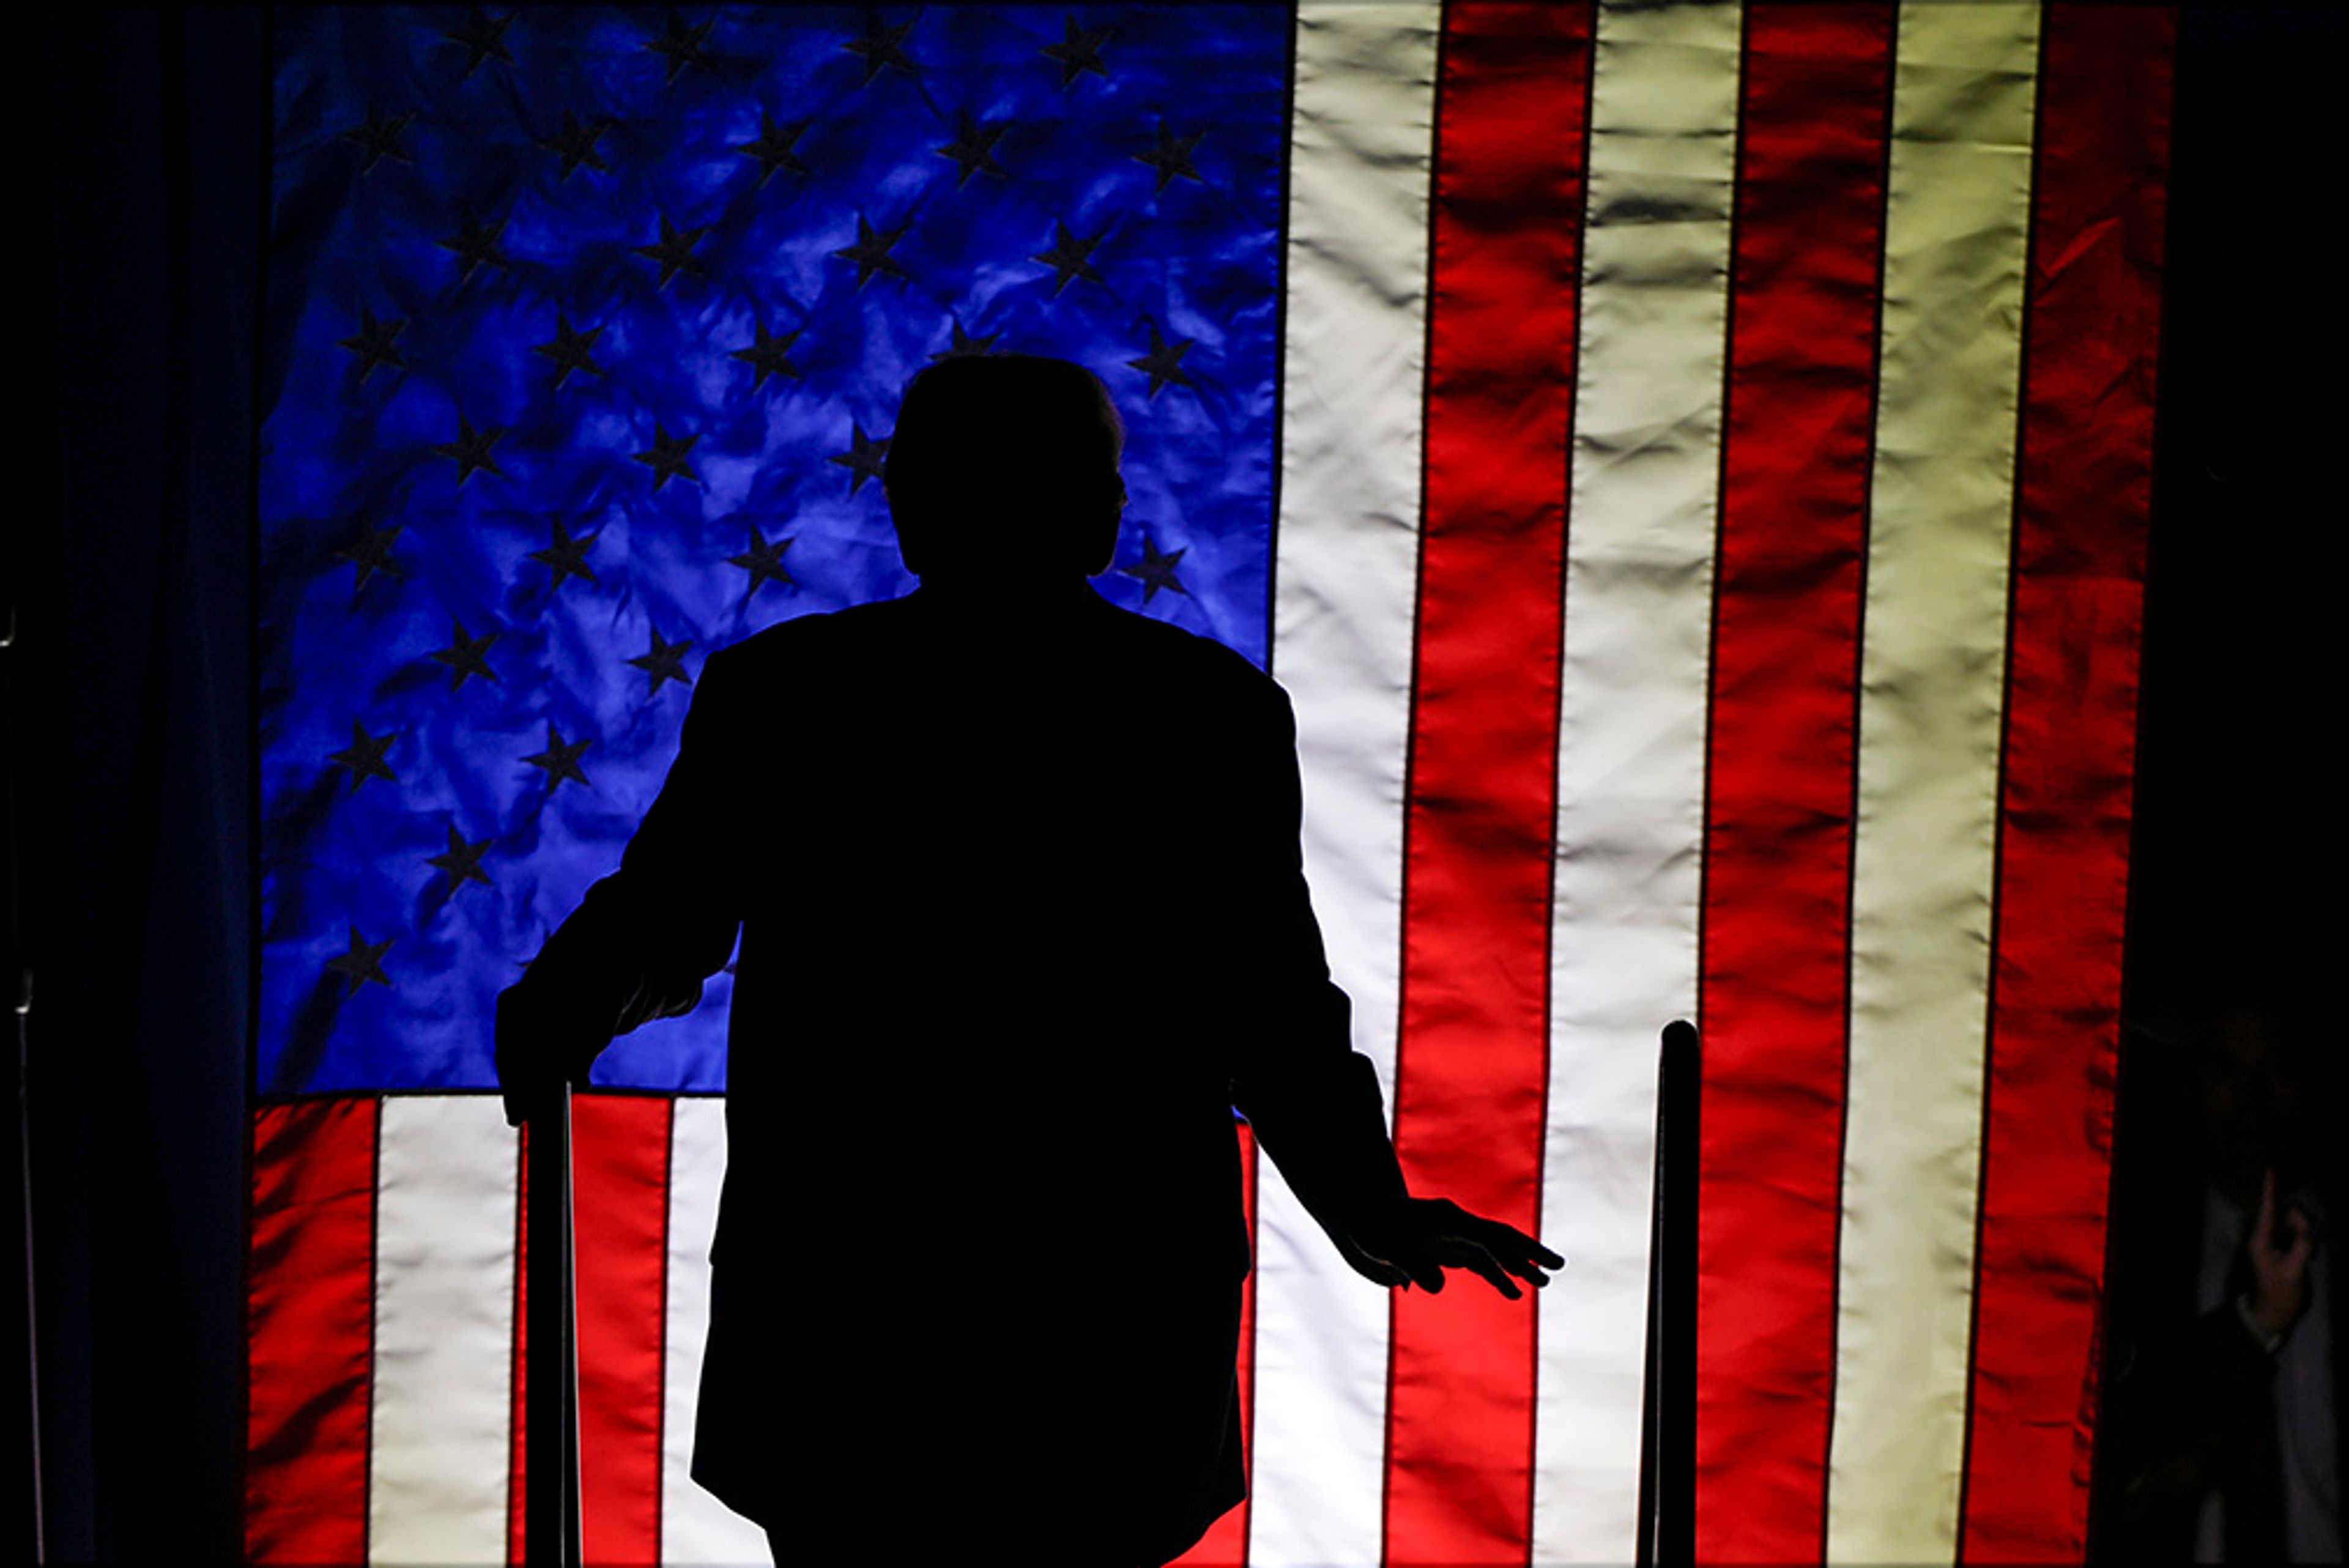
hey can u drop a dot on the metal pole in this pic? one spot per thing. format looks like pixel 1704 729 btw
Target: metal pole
pixel 1668 1421
pixel 32 1323
pixel 9 740
pixel 551 1362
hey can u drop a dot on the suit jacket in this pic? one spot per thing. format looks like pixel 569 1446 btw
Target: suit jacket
pixel 1022 921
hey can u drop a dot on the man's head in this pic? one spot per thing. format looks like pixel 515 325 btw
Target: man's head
pixel 1004 467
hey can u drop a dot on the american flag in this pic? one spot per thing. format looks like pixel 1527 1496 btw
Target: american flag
pixel 1688 463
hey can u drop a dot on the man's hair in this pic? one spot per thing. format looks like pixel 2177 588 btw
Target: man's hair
pixel 1005 463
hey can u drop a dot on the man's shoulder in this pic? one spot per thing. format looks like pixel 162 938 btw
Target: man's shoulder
pixel 820 635
pixel 1198 660
pixel 847 648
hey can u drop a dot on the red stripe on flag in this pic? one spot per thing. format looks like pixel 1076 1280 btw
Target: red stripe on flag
pixel 619 1208
pixel 1226 1543
pixel 2085 475
pixel 1795 478
pixel 1472 1056
pixel 310 1332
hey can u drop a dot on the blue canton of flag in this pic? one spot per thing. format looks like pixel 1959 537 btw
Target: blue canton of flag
pixel 585 331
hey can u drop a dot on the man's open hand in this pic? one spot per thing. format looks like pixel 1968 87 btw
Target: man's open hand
pixel 1415 1241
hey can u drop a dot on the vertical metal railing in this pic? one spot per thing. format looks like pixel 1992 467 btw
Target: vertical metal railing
pixel 551 1346
pixel 19 959
pixel 1668 1427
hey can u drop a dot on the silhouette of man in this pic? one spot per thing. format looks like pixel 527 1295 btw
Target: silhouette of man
pixel 1022 921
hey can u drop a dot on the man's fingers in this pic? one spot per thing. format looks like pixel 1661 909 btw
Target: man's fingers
pixel 1450 1236
pixel 1497 1250
pixel 1461 1252
pixel 1483 1263
pixel 1422 1269
pixel 1494 1276
pixel 1517 1251
pixel 1504 1239
pixel 1537 1255
pixel 1528 1264
pixel 1524 1267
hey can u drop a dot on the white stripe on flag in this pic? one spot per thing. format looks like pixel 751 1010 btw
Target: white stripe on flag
pixel 1361 137
pixel 1957 212
pixel 444 1286
pixel 695 1526
pixel 1631 763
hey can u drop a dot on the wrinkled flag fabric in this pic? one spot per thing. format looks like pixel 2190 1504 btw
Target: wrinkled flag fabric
pixel 1689 465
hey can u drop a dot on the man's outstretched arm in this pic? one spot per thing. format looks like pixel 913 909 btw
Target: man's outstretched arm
pixel 1312 1098
pixel 1326 1131
pixel 645 938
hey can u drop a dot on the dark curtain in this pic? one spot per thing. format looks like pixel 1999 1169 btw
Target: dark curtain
pixel 2232 912
pixel 2232 848
pixel 130 757
pixel 129 687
